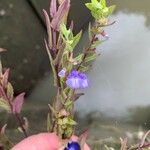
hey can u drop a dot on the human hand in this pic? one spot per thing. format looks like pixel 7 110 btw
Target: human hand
pixel 43 141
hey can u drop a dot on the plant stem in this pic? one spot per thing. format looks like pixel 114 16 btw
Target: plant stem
pixel 14 114
pixel 144 146
pixel 54 40
pixel 85 52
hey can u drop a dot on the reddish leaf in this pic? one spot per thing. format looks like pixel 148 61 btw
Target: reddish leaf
pixel 2 130
pixel 53 8
pixel 82 138
pixel 48 26
pixel 59 16
pixel 71 25
pixel 17 103
pixel 1 91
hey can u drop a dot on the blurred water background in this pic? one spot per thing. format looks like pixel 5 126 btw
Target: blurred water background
pixel 117 103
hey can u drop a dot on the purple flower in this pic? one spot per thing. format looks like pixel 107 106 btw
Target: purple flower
pixel 77 80
pixel 62 73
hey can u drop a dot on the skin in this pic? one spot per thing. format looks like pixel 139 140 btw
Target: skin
pixel 43 141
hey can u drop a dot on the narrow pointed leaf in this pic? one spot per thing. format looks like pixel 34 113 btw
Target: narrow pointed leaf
pixel 77 96
pixel 48 26
pixel 79 58
pixel 3 129
pixel 90 57
pixel 17 103
pixel 89 32
pixel 111 9
pixel 82 139
pixel 71 122
pixel 10 91
pixel 52 110
pixel 26 123
pixel 76 40
pixel 58 18
pixel 48 123
pixel 83 68
pixel 96 43
pixel 53 8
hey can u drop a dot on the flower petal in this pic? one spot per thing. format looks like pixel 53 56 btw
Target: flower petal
pixel 77 80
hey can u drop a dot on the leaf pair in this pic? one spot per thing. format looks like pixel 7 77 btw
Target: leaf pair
pixel 7 100
pixel 69 39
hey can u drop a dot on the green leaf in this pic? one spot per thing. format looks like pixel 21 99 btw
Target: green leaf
pixel 20 129
pixel 60 122
pixel 76 40
pixel 89 6
pixel 68 104
pixel 48 123
pixel 111 9
pixel 64 31
pixel 99 9
pixel 83 68
pixel 5 105
pixel 79 58
pixel 68 38
pixel 103 3
pixel 52 110
pixel 107 12
pixel 96 43
pixel 71 122
pixel 69 132
pixel 91 57
pixel 65 121
pixel 68 46
pixel 67 90
pixel 89 32
pixel 10 91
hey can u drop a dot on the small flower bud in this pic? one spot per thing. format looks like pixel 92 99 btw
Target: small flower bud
pixel 62 73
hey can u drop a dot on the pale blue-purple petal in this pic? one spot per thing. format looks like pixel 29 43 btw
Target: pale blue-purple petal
pixel 77 80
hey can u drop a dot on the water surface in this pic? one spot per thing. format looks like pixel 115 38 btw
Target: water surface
pixel 120 76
